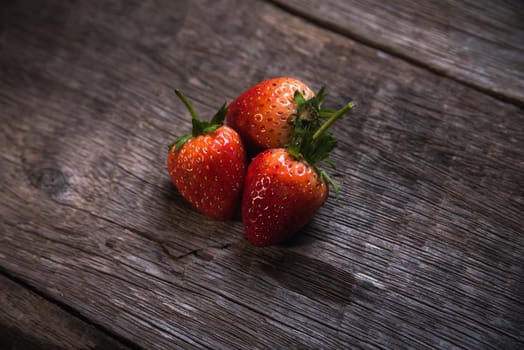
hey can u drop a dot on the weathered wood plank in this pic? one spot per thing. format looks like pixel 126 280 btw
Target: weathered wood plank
pixel 422 248
pixel 480 43
pixel 28 321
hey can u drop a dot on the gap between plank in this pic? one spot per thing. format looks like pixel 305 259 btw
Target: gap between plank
pixel 333 27
pixel 70 310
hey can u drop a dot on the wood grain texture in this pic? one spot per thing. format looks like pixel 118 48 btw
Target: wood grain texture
pixel 480 43
pixel 28 321
pixel 423 247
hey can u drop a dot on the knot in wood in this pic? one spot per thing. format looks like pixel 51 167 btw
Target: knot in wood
pixel 50 180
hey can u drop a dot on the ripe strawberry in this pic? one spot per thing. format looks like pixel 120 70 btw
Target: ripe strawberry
pixel 208 165
pixel 263 115
pixel 284 187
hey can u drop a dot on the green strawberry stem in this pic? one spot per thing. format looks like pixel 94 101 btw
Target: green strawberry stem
pixel 333 118
pixel 199 127
pixel 311 142
pixel 188 104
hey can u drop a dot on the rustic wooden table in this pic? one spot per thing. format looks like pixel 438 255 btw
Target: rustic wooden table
pixel 423 248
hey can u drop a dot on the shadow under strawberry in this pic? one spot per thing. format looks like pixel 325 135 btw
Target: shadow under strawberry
pixel 307 276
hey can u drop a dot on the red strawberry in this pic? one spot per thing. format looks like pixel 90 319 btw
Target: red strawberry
pixel 263 115
pixel 208 165
pixel 284 187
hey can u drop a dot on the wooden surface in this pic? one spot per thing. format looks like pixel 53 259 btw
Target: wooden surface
pixel 423 247
pixel 28 321
pixel 477 42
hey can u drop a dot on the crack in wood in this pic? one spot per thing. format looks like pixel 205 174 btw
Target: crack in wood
pixel 162 245
pixel 70 310
pixel 405 56
pixel 204 253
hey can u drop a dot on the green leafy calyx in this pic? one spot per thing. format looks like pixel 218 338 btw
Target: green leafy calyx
pixel 199 127
pixel 311 141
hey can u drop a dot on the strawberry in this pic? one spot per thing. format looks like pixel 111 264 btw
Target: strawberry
pixel 284 187
pixel 208 165
pixel 263 115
